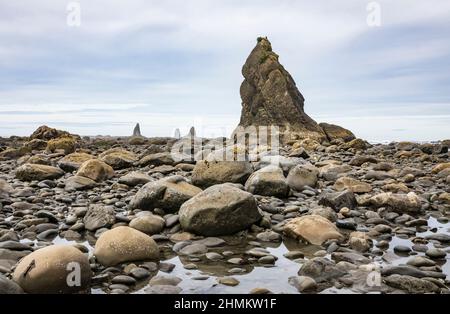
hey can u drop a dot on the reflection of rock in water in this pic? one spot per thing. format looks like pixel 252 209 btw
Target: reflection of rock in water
pixel 295 245
pixel 218 268
pixel 236 244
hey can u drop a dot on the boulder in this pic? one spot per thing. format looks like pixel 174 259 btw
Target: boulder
pixel 357 144
pixel 332 172
pixel 411 284
pixel 31 172
pixel 96 170
pixel 313 229
pixel 66 144
pixel 72 162
pixel 440 167
pixel 285 163
pixel 118 158
pixel 125 244
pixel 50 269
pixel 303 176
pixel 219 210
pixel 149 224
pixel 336 132
pixel 168 194
pixel 207 173
pixel 99 216
pixel 338 200
pixel 356 186
pixel 359 241
pixel 268 181
pixel 135 178
pixel 39 159
pixel 403 203
pixel 78 183
pixel 46 133
pixel 158 159
pixel 14 153
pixel 320 269
pixel 362 159
pixel 36 144
pixel 137 140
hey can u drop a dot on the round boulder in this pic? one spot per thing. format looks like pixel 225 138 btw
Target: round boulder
pixel 268 181
pixel 96 170
pixel 312 228
pixel 302 176
pixel 54 269
pixel 219 210
pixel 30 172
pixel 125 244
pixel 168 194
pixel 208 173
pixel 118 158
pixel 149 224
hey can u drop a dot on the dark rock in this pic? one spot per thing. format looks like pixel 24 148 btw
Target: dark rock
pixel 270 96
pixel 339 200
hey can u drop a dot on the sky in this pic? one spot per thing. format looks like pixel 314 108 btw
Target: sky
pixel 176 63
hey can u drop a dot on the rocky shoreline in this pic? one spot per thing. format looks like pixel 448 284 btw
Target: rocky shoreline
pixel 312 210
pixel 141 222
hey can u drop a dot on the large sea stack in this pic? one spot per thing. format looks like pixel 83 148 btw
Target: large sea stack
pixel 270 97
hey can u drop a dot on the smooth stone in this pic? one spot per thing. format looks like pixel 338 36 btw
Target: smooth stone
pixel 303 283
pixel 194 249
pixel 228 281
pixel 435 253
pixel 165 280
pixel 125 280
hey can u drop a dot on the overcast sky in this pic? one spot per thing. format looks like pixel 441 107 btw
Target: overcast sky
pixel 169 64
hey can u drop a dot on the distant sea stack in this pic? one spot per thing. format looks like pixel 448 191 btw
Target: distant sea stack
pixel 271 97
pixel 137 130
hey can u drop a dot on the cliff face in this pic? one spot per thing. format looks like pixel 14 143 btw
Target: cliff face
pixel 270 96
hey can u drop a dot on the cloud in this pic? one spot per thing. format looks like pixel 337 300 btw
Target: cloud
pixel 185 57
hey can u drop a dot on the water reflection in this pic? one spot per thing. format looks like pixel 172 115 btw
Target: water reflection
pixel 255 275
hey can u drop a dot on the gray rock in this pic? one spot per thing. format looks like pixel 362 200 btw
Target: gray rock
pixel 208 173
pixel 411 284
pixel 137 130
pixel 194 249
pixel 320 269
pixel 168 193
pixel 303 176
pixel 339 200
pixel 149 224
pixel 219 210
pixel 303 283
pixel 99 216
pixel 436 253
pixel 134 178
pixel 77 183
pixel 268 181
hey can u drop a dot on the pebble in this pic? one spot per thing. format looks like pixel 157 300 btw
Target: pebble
pixel 123 279
pixel 228 281
pixel 269 259
pixel 402 249
pixel 140 273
